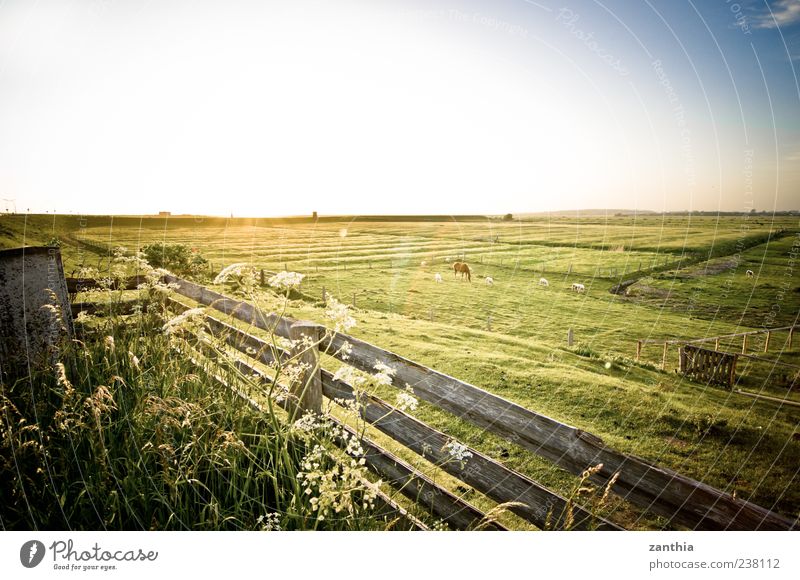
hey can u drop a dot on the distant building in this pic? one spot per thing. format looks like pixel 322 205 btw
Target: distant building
pixel 164 213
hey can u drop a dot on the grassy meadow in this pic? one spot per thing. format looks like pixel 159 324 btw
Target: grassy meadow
pixel 510 337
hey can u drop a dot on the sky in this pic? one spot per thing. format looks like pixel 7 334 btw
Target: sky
pixel 388 107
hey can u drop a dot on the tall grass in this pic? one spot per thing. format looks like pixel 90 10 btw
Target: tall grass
pixel 122 434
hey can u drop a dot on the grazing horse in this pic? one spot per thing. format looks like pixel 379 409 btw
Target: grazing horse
pixel 463 268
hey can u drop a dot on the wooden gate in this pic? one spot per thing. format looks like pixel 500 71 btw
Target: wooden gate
pixel 706 365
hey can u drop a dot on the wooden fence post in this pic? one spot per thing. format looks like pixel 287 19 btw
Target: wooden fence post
pixel 261 277
pixel 732 374
pixel 766 342
pixel 664 357
pixel 638 349
pixel 35 313
pixel 744 344
pixel 306 390
pixel 570 337
pixel 716 344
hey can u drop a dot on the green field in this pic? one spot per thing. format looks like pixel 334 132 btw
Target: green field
pixel 511 337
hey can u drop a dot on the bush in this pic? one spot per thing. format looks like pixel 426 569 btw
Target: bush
pixel 176 258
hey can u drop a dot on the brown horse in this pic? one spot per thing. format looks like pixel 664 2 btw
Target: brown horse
pixel 463 268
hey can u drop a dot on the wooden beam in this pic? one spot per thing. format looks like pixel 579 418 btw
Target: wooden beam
pixel 412 483
pixel 306 390
pixel 663 491
pixel 537 504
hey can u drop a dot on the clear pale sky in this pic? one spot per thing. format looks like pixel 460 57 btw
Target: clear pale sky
pixel 276 108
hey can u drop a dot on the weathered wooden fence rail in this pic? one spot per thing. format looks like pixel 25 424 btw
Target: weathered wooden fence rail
pixel 530 500
pixel 681 499
pixel 413 484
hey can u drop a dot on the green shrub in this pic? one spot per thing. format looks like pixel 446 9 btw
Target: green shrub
pixel 177 258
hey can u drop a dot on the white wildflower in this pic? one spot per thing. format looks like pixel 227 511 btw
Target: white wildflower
pixel 88 272
pixel 406 401
pixel 155 275
pixel 349 375
pixel 184 320
pixel 345 350
pixel 232 270
pixel 285 280
pixel 339 314
pixel 457 451
pixel 270 522
pixel 308 422
pixel 384 373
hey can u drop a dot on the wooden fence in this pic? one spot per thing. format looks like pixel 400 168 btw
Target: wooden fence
pixel 684 501
pixel 767 333
pixel 708 365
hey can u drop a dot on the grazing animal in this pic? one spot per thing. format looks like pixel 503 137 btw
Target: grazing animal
pixel 749 273
pixel 543 282
pixel 423 263
pixel 463 269
pixel 438 278
pixel 489 280
pixel 579 287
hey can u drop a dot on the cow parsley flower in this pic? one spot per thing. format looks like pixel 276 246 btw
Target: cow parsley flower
pixel 270 522
pixel 384 373
pixel 349 375
pixel 184 320
pixel 285 280
pixel 458 451
pixel 406 401
pixel 339 314
pixel 232 270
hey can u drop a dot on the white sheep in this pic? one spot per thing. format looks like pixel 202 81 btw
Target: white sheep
pixel 489 280
pixel 750 273
pixel 543 282
pixel 437 278
pixel 578 287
